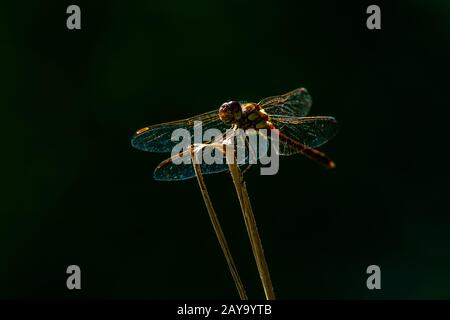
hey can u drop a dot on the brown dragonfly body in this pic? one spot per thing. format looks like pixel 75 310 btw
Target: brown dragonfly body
pixel 252 116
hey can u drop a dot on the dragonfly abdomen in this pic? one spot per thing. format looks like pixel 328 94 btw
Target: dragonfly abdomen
pixel 310 153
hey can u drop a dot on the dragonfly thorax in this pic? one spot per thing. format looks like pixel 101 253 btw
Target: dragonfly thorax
pixel 244 116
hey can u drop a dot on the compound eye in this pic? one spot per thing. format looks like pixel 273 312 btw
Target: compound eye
pixel 228 111
pixel 234 106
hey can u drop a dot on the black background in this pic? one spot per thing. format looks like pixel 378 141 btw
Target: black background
pixel 75 192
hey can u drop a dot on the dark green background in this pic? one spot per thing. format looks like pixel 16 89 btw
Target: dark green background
pixel 73 191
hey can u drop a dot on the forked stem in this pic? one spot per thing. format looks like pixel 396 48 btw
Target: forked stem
pixel 217 228
pixel 251 226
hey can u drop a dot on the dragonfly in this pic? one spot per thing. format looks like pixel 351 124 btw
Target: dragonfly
pixel 297 133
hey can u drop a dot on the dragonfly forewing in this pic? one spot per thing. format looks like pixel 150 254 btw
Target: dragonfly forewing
pixel 296 103
pixel 158 138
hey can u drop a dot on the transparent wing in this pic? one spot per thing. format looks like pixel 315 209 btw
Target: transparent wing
pixel 169 171
pixel 157 138
pixel 309 131
pixel 296 103
pixel 179 166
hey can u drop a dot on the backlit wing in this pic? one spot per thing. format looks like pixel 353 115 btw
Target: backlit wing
pixel 179 166
pixel 157 138
pixel 296 103
pixel 309 131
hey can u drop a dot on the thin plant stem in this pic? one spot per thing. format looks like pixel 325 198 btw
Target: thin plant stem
pixel 217 228
pixel 251 226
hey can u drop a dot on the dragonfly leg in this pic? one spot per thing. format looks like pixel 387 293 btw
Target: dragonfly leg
pixel 246 169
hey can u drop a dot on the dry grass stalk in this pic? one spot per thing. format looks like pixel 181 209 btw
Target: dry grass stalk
pixel 217 228
pixel 251 226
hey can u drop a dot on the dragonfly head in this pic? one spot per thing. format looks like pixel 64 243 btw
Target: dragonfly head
pixel 230 111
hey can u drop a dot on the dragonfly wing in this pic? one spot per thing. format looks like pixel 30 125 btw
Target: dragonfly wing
pixel 168 171
pixel 179 166
pixel 158 138
pixel 309 131
pixel 296 103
